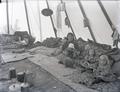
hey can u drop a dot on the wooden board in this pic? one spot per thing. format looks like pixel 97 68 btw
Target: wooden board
pixel 12 57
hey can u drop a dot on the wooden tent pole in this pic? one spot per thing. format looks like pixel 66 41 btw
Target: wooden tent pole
pixel 105 14
pixel 69 21
pixel 55 31
pixel 85 17
pixel 39 21
pixel 7 12
pixel 27 17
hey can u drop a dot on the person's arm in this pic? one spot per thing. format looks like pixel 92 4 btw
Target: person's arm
pixel 76 45
pixel 61 48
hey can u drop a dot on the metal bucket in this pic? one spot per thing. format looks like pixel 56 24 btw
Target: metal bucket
pixel 21 77
pixel 12 73
pixel 24 87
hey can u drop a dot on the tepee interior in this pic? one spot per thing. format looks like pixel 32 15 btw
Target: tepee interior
pixel 96 20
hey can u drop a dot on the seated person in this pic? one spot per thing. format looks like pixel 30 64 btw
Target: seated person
pixel 104 69
pixel 29 40
pixel 66 50
pixel 25 41
pixel 90 61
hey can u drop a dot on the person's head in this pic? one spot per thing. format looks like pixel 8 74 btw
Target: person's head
pixel 87 47
pixel 91 52
pixel 103 60
pixel 70 37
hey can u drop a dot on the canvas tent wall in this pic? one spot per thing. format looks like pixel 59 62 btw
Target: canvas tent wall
pixel 100 26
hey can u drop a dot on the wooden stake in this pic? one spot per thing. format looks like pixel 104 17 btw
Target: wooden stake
pixel 27 17
pixel 7 12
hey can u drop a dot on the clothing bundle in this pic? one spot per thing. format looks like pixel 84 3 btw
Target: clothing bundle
pixel 60 8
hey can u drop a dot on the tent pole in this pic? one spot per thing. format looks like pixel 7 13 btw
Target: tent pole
pixel 105 14
pixel 7 11
pixel 55 31
pixel 85 17
pixel 69 21
pixel 39 21
pixel 27 17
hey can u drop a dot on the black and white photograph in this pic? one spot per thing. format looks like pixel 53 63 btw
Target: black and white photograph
pixel 59 45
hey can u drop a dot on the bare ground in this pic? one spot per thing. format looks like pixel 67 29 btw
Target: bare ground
pixel 42 81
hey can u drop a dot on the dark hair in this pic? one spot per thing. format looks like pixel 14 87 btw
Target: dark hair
pixel 70 34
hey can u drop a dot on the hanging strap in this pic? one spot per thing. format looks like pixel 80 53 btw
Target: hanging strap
pixel 69 21
pixel 105 14
pixel 55 30
pixel 85 18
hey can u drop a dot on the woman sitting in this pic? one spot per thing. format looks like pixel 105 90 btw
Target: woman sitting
pixel 66 52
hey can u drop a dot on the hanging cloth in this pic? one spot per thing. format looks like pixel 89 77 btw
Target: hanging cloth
pixel 115 36
pixel 86 22
pixel 115 33
pixel 67 22
pixel 60 8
